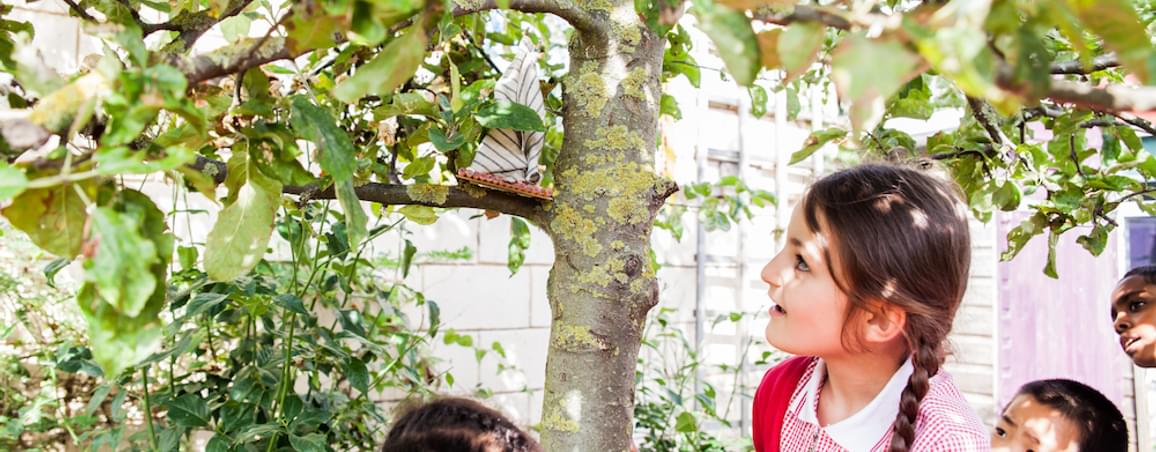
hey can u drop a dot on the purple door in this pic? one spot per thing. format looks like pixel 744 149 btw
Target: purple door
pixel 1050 328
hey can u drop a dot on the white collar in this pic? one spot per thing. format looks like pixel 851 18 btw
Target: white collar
pixel 864 429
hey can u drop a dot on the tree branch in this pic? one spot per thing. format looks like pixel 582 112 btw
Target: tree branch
pixel 391 194
pixel 232 59
pixel 397 194
pixel 979 110
pixel 1077 68
pixel 577 17
pixel 806 14
pixel 1138 122
pixel 1113 98
pixel 191 25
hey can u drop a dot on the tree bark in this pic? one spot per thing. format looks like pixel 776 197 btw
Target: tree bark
pixel 606 196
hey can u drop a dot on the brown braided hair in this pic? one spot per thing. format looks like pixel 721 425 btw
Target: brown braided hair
pixel 455 424
pixel 903 239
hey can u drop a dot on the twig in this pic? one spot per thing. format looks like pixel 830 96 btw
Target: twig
pixel 1137 121
pixel 803 13
pixel 1077 68
pixel 80 11
pixel 1075 155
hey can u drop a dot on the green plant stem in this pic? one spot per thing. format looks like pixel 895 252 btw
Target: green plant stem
pixel 279 408
pixel 148 410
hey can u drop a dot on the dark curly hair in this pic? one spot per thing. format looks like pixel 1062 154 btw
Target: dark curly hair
pixel 454 424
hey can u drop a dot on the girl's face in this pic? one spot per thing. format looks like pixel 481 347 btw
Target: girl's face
pixel 1134 319
pixel 1028 425
pixel 809 309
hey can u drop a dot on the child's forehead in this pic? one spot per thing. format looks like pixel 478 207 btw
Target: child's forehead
pixel 1132 285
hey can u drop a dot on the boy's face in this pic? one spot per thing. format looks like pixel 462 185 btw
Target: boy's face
pixel 1134 319
pixel 1028 425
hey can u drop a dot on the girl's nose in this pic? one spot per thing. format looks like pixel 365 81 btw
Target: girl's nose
pixel 1122 324
pixel 771 275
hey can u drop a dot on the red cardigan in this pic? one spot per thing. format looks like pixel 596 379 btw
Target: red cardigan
pixel 771 401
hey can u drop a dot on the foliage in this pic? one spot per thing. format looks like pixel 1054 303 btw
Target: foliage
pixel 383 101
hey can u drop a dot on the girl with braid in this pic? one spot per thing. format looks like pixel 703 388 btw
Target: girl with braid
pixel 864 292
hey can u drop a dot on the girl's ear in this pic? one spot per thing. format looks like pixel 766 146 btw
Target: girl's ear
pixel 884 322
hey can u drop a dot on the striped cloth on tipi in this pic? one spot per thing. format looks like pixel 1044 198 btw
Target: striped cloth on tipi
pixel 511 154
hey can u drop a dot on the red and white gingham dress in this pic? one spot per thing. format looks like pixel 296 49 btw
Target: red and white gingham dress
pixel 946 423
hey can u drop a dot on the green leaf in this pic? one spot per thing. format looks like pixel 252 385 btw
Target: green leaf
pixel 732 35
pixel 1019 236
pixel 235 27
pixel 423 215
pixel 203 302
pixel 122 160
pixel 1007 197
pixel 256 431
pixel 119 270
pixel 503 114
pixel 758 101
pixel 669 106
pixel 358 375
pixel 391 67
pixel 336 158
pixel 218 443
pixel 237 241
pixel 799 47
pixel 815 142
pixel 407 257
pixel 12 181
pixel 313 442
pixel 861 79
pixel 292 303
pixel 53 218
pixel 686 423
pixel 519 243
pixel 189 410
pixel 1094 241
pixel 53 268
pixel 444 144
pixel 1050 267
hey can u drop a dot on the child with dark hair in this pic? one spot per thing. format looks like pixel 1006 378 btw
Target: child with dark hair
pixel 455 424
pixel 864 293
pixel 1060 415
pixel 1133 317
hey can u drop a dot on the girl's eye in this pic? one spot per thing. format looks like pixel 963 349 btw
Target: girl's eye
pixel 801 265
pixel 1136 306
pixel 1000 432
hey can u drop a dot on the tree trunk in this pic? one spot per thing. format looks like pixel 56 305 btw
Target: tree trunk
pixel 606 196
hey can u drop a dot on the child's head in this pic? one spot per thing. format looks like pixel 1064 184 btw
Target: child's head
pixel 1060 415
pixel 1133 317
pixel 456 424
pixel 876 260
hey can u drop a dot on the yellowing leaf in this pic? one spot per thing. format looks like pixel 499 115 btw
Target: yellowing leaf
pixel 311 31
pixel 1117 23
pixel 52 217
pixel 799 47
pixel 237 241
pixel 862 78
pixel 395 64
pixel 769 48
pixel 419 214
